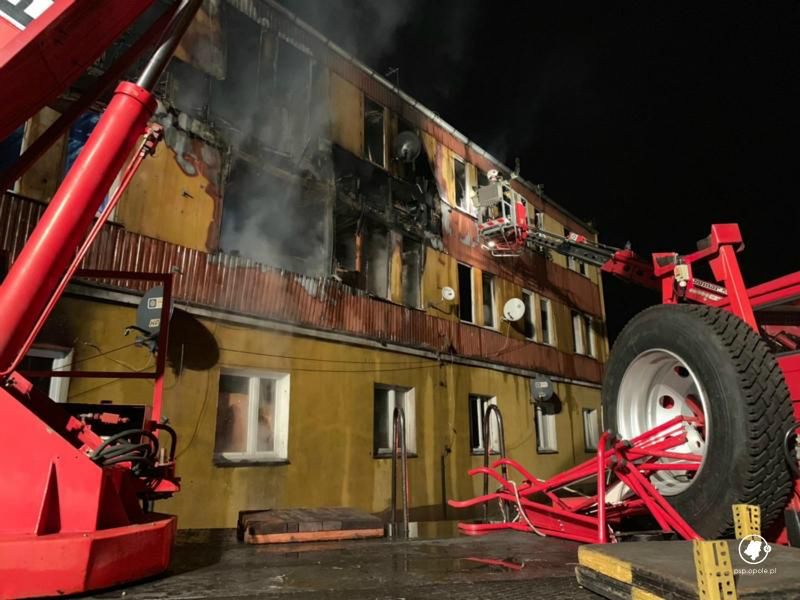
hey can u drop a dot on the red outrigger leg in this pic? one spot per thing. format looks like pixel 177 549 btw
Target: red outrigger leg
pixel 621 470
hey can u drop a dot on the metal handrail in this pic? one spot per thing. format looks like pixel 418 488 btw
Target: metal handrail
pixel 399 439
pixel 487 445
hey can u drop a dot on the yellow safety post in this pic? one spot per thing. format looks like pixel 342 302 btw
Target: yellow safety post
pixel 747 520
pixel 712 562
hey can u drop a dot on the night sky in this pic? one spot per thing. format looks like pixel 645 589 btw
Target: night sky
pixel 650 120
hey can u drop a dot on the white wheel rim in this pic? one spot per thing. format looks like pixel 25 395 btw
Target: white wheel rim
pixel 658 386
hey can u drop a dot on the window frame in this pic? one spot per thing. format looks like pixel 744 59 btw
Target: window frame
pixel 280 451
pixel 530 313
pixel 482 400
pixel 545 423
pixel 590 413
pixel 468 204
pixel 591 338
pixel 546 307
pixel 410 410
pixel 490 277
pixel 471 293
pixel 61 361
pixel 384 152
pixel 578 333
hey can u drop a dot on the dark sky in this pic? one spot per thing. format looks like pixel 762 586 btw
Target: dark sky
pixel 651 120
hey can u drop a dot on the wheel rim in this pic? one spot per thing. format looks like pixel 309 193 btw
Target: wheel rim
pixel 658 386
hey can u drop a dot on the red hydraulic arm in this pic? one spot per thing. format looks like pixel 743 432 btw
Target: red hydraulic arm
pixel 72 506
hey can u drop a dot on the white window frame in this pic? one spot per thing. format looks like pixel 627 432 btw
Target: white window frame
pixel 578 333
pixel 280 448
pixel 546 432
pixel 62 361
pixel 475 413
pixel 471 292
pixel 493 296
pixel 546 306
pixel 538 218
pixel 530 309
pixel 591 429
pixel 409 408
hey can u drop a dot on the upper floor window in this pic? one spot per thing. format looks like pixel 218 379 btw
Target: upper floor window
pixel 583 334
pixel 465 309
pixel 538 219
pixel 546 321
pixel 460 177
pixel 374 133
pixel 252 417
pixel 386 398
pixel 489 303
pixel 528 319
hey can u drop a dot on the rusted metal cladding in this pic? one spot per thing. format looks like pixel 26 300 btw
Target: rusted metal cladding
pixel 237 285
pixel 568 287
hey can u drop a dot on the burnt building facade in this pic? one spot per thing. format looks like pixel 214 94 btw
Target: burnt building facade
pixel 314 216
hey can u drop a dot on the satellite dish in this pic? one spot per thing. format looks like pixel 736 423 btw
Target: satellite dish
pixel 406 146
pixel 513 310
pixel 448 294
pixel 542 388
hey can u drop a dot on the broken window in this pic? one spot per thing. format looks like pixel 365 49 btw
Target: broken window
pixel 411 276
pixel 465 312
pixel 376 261
pixel 477 410
pixel 374 136
pixel 528 325
pixel 235 100
pixel 545 320
pixel 385 399
pixel 188 89
pixel 48 358
pixel 252 416
pixel 489 307
pixel 591 429
pixel 582 334
pixel 278 220
pixel 588 324
pixel 538 219
pixel 460 176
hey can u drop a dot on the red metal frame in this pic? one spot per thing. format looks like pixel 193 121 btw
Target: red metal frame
pixel 589 518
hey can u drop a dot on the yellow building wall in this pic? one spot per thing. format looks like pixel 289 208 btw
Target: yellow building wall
pixel 165 202
pixel 41 181
pixel 347 115
pixel 330 417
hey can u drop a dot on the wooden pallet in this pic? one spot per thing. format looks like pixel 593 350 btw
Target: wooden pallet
pixel 306 525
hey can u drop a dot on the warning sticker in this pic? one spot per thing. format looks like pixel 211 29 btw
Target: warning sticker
pixel 22 13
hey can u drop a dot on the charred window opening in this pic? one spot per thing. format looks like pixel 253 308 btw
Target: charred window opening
pixel 406 169
pixel 528 325
pixel 188 89
pixel 346 250
pixel 411 276
pixel 376 261
pixel 235 99
pixel 460 176
pixel 465 312
pixel 278 220
pixel 374 138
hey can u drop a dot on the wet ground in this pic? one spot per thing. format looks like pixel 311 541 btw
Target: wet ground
pixel 437 563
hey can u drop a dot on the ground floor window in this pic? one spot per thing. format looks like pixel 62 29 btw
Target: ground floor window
pixel 477 409
pixel 49 358
pixel 591 428
pixel 252 416
pixel 546 435
pixel 386 398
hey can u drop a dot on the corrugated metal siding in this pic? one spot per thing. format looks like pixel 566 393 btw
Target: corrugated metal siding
pixel 238 285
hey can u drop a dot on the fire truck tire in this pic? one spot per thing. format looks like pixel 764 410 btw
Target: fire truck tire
pixel 745 400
